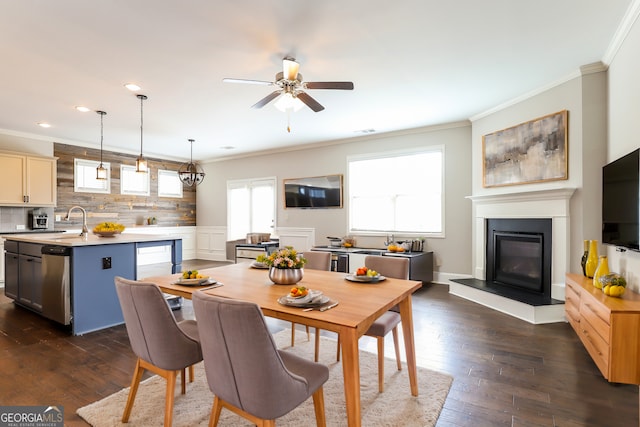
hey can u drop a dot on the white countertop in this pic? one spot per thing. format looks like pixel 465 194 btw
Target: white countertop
pixel 73 239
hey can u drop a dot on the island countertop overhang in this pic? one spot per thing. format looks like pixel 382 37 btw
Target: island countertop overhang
pixel 74 240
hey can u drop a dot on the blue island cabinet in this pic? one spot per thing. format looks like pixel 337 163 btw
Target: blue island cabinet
pixel 94 300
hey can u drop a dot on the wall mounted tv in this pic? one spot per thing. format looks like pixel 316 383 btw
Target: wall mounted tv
pixel 318 192
pixel 620 200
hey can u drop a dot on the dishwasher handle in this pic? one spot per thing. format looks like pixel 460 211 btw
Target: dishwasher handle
pixel 56 250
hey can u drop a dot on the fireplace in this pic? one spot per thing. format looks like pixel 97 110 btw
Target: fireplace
pixel 518 254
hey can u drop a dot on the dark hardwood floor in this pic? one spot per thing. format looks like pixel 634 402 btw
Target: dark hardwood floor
pixel 506 372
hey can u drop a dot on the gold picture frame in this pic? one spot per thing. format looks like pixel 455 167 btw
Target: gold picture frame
pixel 533 151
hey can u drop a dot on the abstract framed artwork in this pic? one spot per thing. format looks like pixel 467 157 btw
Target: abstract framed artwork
pixel 534 151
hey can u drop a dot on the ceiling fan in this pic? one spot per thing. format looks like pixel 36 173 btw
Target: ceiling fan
pixel 291 87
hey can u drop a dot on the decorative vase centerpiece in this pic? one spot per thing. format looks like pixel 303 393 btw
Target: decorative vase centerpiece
pixel 592 259
pixel 286 266
pixel 601 270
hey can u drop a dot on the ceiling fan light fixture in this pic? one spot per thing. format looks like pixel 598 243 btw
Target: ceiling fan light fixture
pixel 190 173
pixel 101 171
pixel 287 102
pixel 290 68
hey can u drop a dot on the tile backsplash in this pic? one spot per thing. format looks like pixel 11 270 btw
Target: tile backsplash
pixel 13 217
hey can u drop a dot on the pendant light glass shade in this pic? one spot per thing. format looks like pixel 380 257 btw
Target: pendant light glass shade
pixel 141 162
pixel 190 173
pixel 101 171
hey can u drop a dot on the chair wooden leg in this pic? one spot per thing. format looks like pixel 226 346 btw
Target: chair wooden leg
pixel 192 373
pixel 168 406
pixel 293 334
pixel 318 406
pixel 137 376
pixel 380 364
pixel 316 353
pixel 394 331
pixel 308 334
pixel 216 409
pixel 183 381
pixel 338 349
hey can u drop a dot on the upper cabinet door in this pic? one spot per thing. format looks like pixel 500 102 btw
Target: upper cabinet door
pixel 12 172
pixel 41 187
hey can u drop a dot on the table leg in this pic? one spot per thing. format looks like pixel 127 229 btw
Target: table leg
pixel 409 346
pixel 351 372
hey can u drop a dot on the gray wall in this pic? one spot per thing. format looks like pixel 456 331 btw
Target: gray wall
pixel 331 158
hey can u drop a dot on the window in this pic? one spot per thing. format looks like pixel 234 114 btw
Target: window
pixel 169 184
pixel 400 192
pixel 84 177
pixel 134 183
pixel 251 207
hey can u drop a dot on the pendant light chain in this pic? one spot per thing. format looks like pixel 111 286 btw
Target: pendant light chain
pixel 141 162
pixel 101 171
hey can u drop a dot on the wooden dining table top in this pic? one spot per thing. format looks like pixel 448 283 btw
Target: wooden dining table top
pixel 359 304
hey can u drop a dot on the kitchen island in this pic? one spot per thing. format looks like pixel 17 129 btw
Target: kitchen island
pixel 69 278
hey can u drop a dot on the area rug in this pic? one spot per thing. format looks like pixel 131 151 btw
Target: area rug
pixel 394 407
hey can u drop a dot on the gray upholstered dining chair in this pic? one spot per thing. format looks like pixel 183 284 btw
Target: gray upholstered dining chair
pixel 398 268
pixel 163 346
pixel 316 260
pixel 246 372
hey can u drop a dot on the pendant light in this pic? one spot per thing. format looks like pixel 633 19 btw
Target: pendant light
pixel 141 162
pixel 190 173
pixel 101 171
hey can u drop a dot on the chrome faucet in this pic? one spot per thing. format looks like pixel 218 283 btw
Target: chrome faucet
pixel 85 230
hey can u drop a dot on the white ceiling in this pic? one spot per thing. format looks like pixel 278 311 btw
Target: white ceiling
pixel 414 63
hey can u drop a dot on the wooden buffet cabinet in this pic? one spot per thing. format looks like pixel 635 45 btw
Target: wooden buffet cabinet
pixel 608 327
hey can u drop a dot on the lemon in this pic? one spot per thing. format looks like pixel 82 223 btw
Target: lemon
pixel 606 290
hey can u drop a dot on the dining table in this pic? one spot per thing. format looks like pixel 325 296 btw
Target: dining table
pixel 359 304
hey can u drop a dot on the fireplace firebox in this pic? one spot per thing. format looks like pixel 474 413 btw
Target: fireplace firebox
pixel 518 254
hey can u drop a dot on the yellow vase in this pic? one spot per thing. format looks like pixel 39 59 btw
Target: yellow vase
pixel 592 259
pixel 601 270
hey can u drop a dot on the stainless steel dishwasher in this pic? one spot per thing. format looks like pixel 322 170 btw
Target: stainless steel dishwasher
pixel 56 283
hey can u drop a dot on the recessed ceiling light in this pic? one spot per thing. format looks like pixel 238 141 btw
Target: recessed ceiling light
pixel 132 87
pixel 44 125
pixel 82 108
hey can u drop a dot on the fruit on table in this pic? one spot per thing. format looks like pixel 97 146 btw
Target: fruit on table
pixel 298 291
pixel 613 284
pixel 191 274
pixel 364 271
pixel 392 248
pixel 108 227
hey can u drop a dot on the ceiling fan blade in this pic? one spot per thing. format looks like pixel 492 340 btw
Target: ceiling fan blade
pixel 252 82
pixel 329 85
pixel 267 99
pixel 311 103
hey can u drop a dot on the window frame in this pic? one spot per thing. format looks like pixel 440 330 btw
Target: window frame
pixel 105 185
pixel 169 174
pixel 126 185
pixel 390 154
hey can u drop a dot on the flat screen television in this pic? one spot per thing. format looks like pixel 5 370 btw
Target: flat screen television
pixel 620 200
pixel 317 192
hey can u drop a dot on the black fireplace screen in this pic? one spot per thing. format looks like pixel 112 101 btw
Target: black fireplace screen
pixel 519 254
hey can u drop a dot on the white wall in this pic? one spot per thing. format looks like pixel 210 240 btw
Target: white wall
pixel 624 133
pixel 453 252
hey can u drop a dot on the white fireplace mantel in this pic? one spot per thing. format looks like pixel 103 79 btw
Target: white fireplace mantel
pixel 549 203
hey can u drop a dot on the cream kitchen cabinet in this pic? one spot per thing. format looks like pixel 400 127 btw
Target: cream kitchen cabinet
pixel 27 180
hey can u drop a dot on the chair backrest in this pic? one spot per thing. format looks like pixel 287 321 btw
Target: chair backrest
pixel 241 360
pixel 388 266
pixel 318 260
pixel 153 331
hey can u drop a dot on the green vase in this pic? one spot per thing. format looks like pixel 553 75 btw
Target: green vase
pixel 592 259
